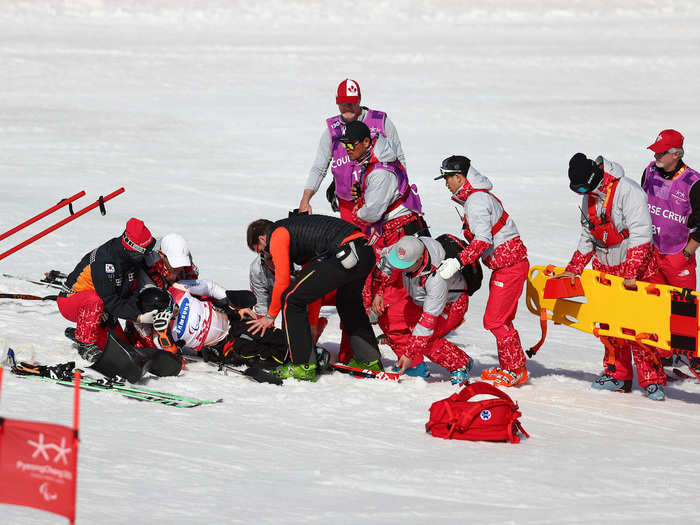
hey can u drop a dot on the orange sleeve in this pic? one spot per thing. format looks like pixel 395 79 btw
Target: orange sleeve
pixel 279 249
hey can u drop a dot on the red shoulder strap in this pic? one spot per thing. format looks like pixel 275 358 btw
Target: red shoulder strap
pixel 501 222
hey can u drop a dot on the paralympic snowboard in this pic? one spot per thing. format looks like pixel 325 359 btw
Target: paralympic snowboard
pixel 657 315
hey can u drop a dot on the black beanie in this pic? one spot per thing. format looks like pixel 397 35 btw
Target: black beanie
pixel 355 131
pixel 584 174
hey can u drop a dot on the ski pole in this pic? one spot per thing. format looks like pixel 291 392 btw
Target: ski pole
pixel 26 297
pixel 43 214
pixel 99 202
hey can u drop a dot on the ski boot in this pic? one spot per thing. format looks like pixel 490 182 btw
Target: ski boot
pixel 419 370
pixel 655 392
pixel 306 372
pixel 461 375
pixel 505 377
pixel 88 351
pixel 323 359
pixel 373 365
pixel 608 382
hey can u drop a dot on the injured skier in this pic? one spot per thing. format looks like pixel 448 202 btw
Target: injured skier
pixel 199 317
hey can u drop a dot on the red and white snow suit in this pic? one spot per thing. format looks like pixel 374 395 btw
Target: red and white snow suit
pixel 494 238
pixel 632 257
pixel 437 306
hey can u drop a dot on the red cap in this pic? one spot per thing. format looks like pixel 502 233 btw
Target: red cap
pixel 136 237
pixel 667 139
pixel 348 92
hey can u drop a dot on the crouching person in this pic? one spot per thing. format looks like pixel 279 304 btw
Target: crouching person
pixel 334 255
pixel 102 289
pixel 617 235
pixel 443 304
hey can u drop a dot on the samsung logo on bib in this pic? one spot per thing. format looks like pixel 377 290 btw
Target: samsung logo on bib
pixel 182 317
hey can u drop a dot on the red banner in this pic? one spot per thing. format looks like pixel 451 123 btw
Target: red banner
pixel 38 466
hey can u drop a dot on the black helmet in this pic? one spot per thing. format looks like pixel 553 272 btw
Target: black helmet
pixel 454 164
pixel 153 298
pixel 584 174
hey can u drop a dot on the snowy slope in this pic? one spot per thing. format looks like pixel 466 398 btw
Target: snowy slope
pixel 209 114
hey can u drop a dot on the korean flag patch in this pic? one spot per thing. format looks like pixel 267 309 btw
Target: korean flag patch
pixel 109 268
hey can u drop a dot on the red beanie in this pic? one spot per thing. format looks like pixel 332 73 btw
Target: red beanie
pixel 136 237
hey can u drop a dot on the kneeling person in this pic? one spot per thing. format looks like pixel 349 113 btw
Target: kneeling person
pixel 444 303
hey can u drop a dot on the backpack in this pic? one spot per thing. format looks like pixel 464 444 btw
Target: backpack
pixel 456 417
pixel 472 273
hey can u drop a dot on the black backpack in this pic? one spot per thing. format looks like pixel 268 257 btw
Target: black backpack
pixel 472 273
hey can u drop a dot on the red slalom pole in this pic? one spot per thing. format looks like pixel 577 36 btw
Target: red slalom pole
pixel 41 215
pixel 76 401
pixel 76 438
pixel 48 230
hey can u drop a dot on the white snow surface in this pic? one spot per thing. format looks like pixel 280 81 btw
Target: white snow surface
pixel 209 114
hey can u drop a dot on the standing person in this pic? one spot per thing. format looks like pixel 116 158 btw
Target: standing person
pixel 442 304
pixel 493 237
pixel 104 285
pixel 387 207
pixel 617 231
pixel 331 151
pixel 674 200
pixel 333 255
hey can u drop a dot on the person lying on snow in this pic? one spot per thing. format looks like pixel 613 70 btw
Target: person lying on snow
pixel 198 317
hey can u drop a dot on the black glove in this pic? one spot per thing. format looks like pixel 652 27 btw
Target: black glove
pixel 332 197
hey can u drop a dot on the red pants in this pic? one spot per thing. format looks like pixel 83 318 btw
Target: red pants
pixel 649 369
pixel 400 315
pixel 86 310
pixel 345 209
pixel 505 289
pixel 676 269
pixel 438 349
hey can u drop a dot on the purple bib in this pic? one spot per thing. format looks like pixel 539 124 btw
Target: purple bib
pixel 341 166
pixel 669 206
pixel 412 200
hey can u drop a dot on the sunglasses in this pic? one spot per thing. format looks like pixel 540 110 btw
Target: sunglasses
pixel 448 173
pixel 579 188
pixel 349 146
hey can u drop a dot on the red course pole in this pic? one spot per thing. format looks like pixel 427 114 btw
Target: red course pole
pixel 43 214
pixel 60 223
pixel 76 439
pixel 76 400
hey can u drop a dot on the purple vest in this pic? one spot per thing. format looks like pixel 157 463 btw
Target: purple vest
pixel 669 206
pixel 412 200
pixel 341 167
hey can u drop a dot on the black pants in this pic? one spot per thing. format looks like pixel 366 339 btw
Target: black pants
pixel 313 282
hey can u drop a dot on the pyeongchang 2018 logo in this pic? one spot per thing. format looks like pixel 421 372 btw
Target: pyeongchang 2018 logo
pixel 48 472
pixel 182 317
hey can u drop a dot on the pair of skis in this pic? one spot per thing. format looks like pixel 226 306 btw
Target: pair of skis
pixel 93 384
